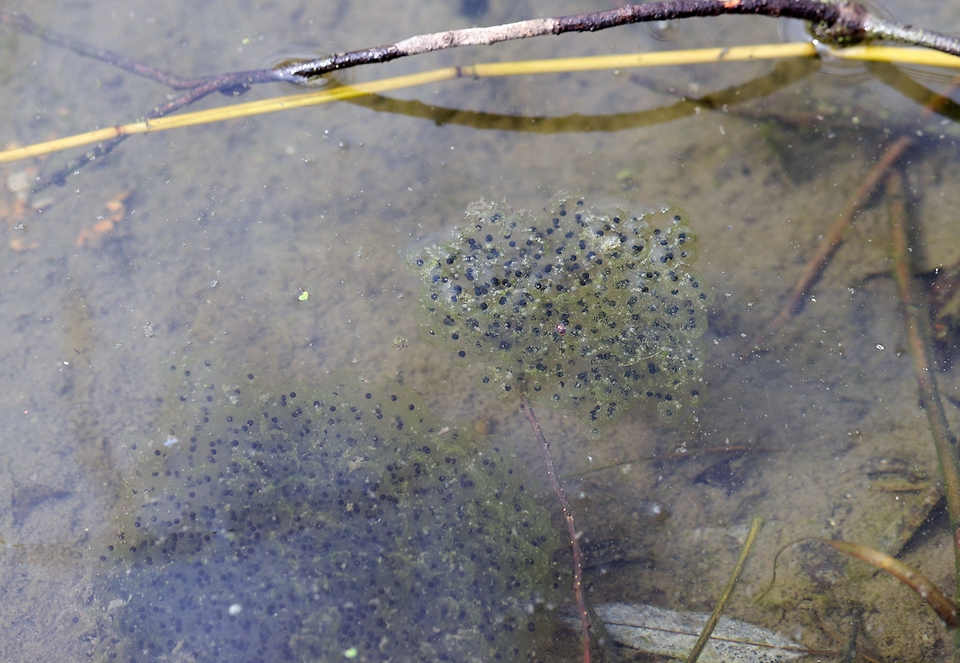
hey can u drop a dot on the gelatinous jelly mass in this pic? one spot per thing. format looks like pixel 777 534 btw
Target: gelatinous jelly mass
pixel 310 524
pixel 591 311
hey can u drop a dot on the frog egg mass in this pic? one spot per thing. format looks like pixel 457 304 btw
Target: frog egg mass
pixel 590 311
pixel 305 523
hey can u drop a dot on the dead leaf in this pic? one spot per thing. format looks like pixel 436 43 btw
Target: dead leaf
pixel 670 633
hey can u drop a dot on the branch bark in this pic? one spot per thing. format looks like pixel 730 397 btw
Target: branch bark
pixel 842 22
pixel 835 21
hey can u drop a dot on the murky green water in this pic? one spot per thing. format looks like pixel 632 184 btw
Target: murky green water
pixel 227 225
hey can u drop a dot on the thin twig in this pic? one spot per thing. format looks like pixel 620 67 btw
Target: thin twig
pixel 26 24
pixel 199 87
pixel 527 410
pixel 838 22
pixel 828 246
pixel 711 624
pixel 843 22
pixel 236 81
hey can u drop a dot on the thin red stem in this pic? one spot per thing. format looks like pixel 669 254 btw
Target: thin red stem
pixel 527 410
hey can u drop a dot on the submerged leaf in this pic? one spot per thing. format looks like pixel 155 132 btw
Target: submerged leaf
pixel 670 633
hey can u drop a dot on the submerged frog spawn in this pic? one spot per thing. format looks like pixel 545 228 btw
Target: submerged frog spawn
pixel 312 523
pixel 591 311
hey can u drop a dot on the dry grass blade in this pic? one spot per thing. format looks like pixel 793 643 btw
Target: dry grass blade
pixel 947 609
pixel 714 619
pixel 345 92
pixel 480 70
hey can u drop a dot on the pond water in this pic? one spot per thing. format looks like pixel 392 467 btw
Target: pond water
pixel 278 246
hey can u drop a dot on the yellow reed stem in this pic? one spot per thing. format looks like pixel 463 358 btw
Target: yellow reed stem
pixel 484 70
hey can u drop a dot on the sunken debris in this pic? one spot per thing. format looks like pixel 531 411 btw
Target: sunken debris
pixel 590 311
pixel 313 524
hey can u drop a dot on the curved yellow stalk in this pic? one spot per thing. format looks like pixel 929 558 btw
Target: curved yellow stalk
pixel 914 56
pixel 898 55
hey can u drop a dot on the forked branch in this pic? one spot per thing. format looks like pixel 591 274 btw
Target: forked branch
pixel 837 22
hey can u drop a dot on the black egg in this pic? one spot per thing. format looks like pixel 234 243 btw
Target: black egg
pixel 595 310
pixel 316 521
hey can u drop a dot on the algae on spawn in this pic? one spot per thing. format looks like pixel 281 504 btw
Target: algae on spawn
pixel 591 311
pixel 312 523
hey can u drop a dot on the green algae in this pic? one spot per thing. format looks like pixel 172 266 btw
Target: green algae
pixel 303 523
pixel 590 311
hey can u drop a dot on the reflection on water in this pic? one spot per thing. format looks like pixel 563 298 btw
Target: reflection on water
pixel 227 225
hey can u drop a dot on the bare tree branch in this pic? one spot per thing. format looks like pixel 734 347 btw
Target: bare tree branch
pixel 836 21
pixel 842 22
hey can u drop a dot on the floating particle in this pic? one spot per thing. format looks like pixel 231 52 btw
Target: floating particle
pixel 308 523
pixel 591 311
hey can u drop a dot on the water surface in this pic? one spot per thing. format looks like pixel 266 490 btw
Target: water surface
pixel 227 225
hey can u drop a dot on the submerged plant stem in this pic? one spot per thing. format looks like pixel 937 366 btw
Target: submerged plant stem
pixel 711 624
pixel 527 409
pixel 917 320
pixel 831 242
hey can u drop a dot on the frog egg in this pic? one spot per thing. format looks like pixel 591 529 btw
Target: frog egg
pixel 299 523
pixel 589 310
